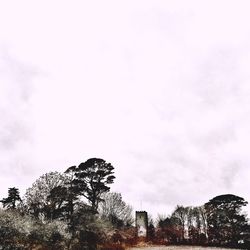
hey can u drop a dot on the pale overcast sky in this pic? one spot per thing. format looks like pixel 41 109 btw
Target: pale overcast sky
pixel 160 89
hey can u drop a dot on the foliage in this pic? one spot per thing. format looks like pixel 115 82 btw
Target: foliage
pixel 19 231
pixel 169 230
pixel 92 179
pixel 226 222
pixel 88 228
pixel 75 210
pixel 53 216
pixel 12 199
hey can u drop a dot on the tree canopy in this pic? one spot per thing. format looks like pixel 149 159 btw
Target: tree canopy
pixel 12 199
pixel 92 178
pixel 225 219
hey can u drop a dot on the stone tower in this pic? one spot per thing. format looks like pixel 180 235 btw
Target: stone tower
pixel 141 220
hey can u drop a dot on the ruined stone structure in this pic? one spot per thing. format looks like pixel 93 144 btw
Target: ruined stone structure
pixel 141 218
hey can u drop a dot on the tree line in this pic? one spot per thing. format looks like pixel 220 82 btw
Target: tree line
pixel 76 210
pixel 70 210
pixel 218 222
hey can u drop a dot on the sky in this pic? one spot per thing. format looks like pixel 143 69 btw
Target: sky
pixel 160 89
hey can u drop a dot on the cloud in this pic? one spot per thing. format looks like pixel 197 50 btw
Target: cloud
pixel 158 88
pixel 16 118
pixel 197 149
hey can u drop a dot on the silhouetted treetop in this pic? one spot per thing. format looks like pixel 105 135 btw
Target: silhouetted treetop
pixel 225 221
pixel 13 197
pixel 91 179
pixel 228 198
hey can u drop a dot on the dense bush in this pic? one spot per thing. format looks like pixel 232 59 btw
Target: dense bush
pixel 22 231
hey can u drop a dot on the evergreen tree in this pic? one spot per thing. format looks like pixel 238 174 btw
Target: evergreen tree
pixel 92 179
pixel 226 222
pixel 12 199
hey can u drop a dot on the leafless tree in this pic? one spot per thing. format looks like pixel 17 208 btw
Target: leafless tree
pixel 180 215
pixel 115 209
pixel 36 197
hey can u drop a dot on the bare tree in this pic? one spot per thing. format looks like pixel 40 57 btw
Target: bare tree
pixel 115 209
pixel 180 215
pixel 36 198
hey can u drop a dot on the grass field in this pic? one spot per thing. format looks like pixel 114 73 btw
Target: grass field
pixel 177 248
